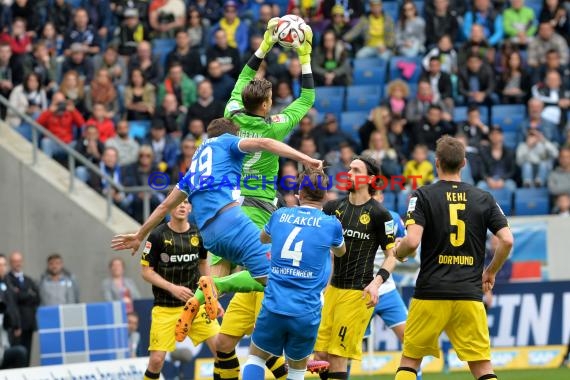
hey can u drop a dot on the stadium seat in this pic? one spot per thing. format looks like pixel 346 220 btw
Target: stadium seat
pixel 365 63
pixel 509 117
pixel 362 98
pixel 460 114
pixel 161 47
pixel 396 72
pixel 389 200
pixel 510 140
pixel 526 270
pixel 403 200
pixel 329 104
pixel 139 129
pixel 391 9
pixel 532 202
pixel 350 122
pixel 369 75
pixel 330 91
pixel 420 7
pixel 504 198
pixel 535 5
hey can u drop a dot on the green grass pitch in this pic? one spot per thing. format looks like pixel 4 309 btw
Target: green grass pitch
pixel 550 374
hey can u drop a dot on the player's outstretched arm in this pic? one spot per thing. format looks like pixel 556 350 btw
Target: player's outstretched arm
pixel 251 67
pixel 133 241
pixel 504 247
pixel 279 148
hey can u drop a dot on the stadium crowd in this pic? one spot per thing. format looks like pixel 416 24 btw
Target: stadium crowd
pixel 132 84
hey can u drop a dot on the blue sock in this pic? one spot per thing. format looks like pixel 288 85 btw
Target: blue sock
pixel 348 365
pixel 419 374
pixel 254 368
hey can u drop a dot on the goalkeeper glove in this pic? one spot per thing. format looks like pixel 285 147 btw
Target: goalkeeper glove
pixel 269 37
pixel 304 51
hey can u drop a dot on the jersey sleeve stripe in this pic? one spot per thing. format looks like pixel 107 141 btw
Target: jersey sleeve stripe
pixel 239 148
pixel 340 245
pixel 145 263
pixel 410 222
pixel 390 246
pixel 184 191
pixel 266 230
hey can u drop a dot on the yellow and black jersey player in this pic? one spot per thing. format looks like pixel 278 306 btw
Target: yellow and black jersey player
pixel 450 219
pixel 173 260
pixel 353 291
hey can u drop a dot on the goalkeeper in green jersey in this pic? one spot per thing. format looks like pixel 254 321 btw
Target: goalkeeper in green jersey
pixel 249 107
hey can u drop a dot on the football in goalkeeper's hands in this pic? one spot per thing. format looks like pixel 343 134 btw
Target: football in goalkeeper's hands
pixel 289 31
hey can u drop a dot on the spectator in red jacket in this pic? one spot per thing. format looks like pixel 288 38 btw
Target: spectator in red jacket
pixel 105 125
pixel 59 119
pixel 20 42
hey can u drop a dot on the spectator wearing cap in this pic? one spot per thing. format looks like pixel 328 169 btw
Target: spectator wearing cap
pixel 237 31
pixel 535 121
pixel 125 145
pixel 499 164
pixel 340 23
pixel 189 58
pixel 377 29
pixel 79 62
pixel 130 33
pixel 83 33
pixel 546 40
pixel 166 17
pixel 180 85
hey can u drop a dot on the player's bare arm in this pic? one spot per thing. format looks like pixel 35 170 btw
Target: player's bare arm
pixel 264 237
pixel 133 241
pixel 501 254
pixel 279 148
pixel 408 245
pixel 180 292
pixel 339 251
pixel 387 268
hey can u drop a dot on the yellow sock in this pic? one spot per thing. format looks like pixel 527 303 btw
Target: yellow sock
pixel 276 365
pixel 228 365
pixel 406 374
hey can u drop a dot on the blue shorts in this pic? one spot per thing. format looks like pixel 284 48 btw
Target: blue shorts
pixel 391 309
pixel 275 333
pixel 233 236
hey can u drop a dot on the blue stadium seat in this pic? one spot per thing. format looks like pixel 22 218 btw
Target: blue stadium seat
pixel 460 114
pixel 504 198
pixel 365 63
pixel 510 139
pixel 332 91
pixel 369 75
pixel 420 7
pixel 391 9
pixel 350 122
pixel 532 202
pixel 329 104
pixel 389 200
pixel 535 5
pixel 161 47
pixel 509 117
pixel 396 73
pixel 403 200
pixel 139 129
pixel 362 98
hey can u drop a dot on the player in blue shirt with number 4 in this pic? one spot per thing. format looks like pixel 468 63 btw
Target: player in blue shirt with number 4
pixel 301 240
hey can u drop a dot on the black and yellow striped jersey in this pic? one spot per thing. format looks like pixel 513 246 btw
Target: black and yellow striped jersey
pixel 455 217
pixel 175 257
pixel 365 228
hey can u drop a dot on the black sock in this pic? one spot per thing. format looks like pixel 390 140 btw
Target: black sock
pixel 338 375
pixel 409 369
pixel 488 376
pixel 151 375
pixel 324 375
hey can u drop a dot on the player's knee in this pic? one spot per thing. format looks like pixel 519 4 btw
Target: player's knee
pixel 156 361
pixel 225 343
